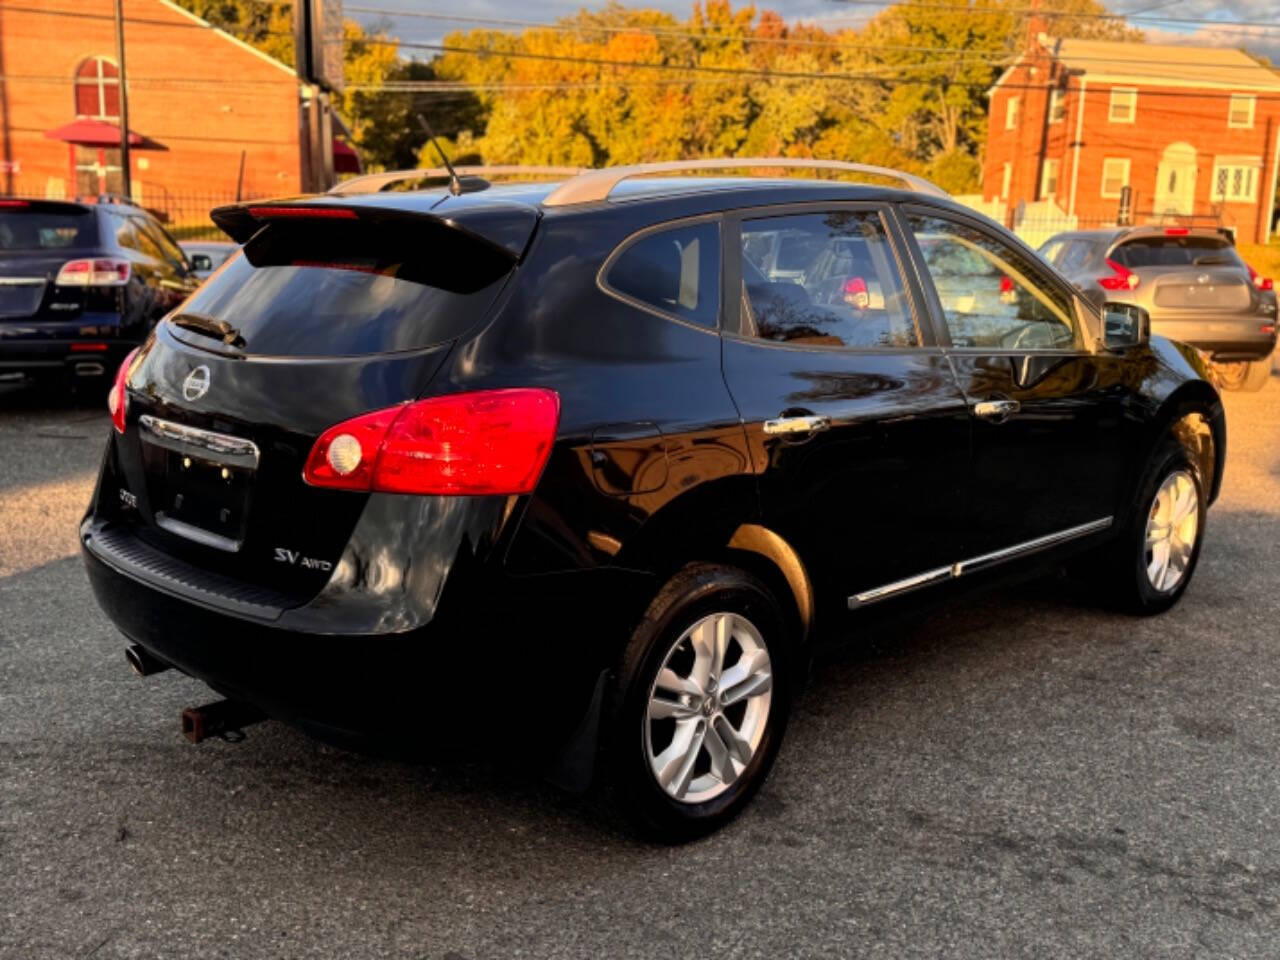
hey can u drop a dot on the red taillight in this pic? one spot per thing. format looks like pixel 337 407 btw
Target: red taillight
pixel 14 203
pixel 88 347
pixel 1176 231
pixel 487 442
pixel 303 213
pixel 1259 281
pixel 856 293
pixel 1121 278
pixel 106 272
pixel 118 398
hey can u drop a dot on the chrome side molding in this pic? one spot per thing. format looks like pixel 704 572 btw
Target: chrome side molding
pixel 975 564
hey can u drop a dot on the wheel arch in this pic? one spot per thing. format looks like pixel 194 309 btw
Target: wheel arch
pixel 1193 415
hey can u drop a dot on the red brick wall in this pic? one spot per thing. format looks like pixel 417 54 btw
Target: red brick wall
pixel 1165 115
pixel 198 96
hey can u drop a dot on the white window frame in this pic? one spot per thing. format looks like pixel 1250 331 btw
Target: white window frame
pixel 1250 169
pixel 1132 94
pixel 1006 179
pixel 1236 98
pixel 1124 180
pixel 1011 108
pixel 1057 105
pixel 1050 164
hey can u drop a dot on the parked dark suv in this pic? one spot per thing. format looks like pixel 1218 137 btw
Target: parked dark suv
pixel 1191 281
pixel 82 284
pixel 590 465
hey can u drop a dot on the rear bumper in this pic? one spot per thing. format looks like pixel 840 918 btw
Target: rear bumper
pixel 500 652
pixel 1223 338
pixel 50 357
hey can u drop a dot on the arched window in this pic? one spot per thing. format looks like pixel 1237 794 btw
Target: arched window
pixel 98 89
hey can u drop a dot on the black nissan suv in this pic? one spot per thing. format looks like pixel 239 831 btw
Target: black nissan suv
pixel 581 471
pixel 82 284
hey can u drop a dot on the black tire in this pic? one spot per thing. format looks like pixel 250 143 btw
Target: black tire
pixel 1246 376
pixel 1257 376
pixel 1124 567
pixel 694 593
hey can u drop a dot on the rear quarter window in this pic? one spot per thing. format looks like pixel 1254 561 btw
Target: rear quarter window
pixel 316 289
pixel 674 270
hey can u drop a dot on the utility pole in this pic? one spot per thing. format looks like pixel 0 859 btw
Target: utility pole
pixel 123 95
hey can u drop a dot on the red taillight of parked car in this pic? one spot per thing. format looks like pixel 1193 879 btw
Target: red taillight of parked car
pixel 1259 281
pixel 101 272
pixel 486 442
pixel 856 294
pixel 118 398
pixel 1121 278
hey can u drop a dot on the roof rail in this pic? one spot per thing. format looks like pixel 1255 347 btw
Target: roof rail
pixel 596 185
pixel 373 182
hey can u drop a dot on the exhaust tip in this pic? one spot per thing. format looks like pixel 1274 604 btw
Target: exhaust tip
pixel 143 663
pixel 90 369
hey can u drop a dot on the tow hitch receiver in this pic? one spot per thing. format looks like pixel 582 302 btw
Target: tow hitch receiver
pixel 226 719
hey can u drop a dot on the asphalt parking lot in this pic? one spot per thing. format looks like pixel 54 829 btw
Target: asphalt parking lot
pixel 1019 776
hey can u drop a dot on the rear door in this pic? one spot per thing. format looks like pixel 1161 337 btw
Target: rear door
pixel 1047 410
pixel 857 431
pixel 314 322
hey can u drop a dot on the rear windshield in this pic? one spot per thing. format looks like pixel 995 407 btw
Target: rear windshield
pixel 33 228
pixel 345 289
pixel 1176 252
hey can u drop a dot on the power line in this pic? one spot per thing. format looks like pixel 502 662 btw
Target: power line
pixel 1065 14
pixel 489 52
pixel 999 58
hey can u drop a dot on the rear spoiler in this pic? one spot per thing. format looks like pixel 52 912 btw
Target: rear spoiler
pixel 504 229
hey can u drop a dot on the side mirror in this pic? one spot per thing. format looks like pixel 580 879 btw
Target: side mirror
pixel 201 261
pixel 1125 325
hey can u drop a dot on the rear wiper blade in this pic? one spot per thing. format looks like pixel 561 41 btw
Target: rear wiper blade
pixel 1210 260
pixel 208 327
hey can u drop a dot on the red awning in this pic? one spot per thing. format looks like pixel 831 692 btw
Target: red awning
pixel 345 158
pixel 92 133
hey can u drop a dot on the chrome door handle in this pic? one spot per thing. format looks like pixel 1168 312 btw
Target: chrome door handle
pixel 796 426
pixel 996 409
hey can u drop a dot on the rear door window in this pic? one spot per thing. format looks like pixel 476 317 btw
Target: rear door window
pixel 1074 256
pixel 36 227
pixel 347 289
pixel 824 279
pixel 674 270
pixel 1175 251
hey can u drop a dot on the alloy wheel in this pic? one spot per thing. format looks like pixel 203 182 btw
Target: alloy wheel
pixel 708 707
pixel 1172 527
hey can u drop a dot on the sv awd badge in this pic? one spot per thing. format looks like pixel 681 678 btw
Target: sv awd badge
pixel 296 559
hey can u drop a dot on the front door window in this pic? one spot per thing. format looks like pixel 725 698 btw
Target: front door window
pixel 990 293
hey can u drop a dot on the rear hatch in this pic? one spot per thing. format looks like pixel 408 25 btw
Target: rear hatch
pixel 1194 272
pixel 37 240
pixel 321 317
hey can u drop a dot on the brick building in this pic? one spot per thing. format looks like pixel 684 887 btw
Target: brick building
pixel 1192 132
pixel 208 114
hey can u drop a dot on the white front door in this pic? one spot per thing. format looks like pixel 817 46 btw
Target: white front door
pixel 1176 180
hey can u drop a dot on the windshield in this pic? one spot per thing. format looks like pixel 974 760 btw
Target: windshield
pixel 343 290
pixel 33 228
pixel 1175 252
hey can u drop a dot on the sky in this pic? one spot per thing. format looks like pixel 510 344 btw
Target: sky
pixel 1226 31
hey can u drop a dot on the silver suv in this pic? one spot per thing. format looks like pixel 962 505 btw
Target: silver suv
pixel 1190 280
